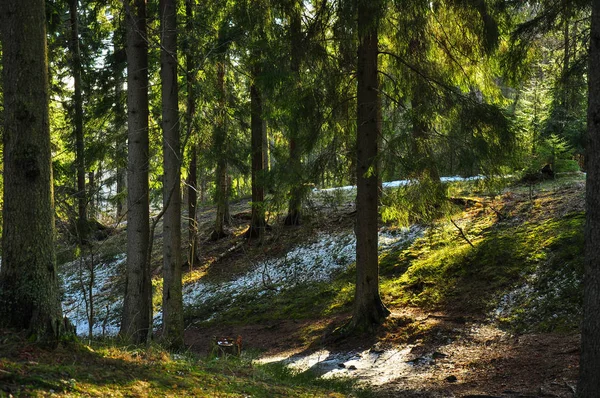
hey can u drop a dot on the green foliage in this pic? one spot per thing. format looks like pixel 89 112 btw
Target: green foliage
pixel 107 369
pixel 418 202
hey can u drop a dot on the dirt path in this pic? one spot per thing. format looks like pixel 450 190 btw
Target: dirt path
pixel 454 359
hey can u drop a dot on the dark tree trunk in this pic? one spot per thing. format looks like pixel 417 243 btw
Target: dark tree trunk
pixel 257 222
pixel 82 224
pixel 220 142
pixel 193 169
pixel 120 123
pixel 368 307
pixel 29 292
pixel 192 182
pixel 172 304
pixel 589 365
pixel 296 191
pixel 137 307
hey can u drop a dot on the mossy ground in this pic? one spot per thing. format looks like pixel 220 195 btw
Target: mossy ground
pixel 522 236
pixel 107 370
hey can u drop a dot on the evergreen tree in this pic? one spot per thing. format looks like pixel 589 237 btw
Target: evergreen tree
pixel 137 307
pixel 589 365
pixel 368 307
pixel 29 293
pixel 82 225
pixel 172 288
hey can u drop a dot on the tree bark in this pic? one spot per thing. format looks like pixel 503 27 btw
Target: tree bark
pixel 220 139
pixel 368 307
pixel 120 122
pixel 172 303
pixel 589 364
pixel 257 222
pixel 296 191
pixel 82 225
pixel 137 307
pixel 29 291
pixel 193 169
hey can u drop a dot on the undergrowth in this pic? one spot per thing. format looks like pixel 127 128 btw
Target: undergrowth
pixel 109 370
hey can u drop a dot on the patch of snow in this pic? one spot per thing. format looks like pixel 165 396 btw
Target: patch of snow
pixel 375 367
pixel 315 262
pixel 107 305
pixel 401 183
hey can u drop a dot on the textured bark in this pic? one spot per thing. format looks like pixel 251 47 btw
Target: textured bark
pixel 29 293
pixel 295 203
pixel 120 123
pixel 82 224
pixel 172 304
pixel 137 307
pixel 220 139
pixel 192 180
pixel 368 307
pixel 257 222
pixel 589 364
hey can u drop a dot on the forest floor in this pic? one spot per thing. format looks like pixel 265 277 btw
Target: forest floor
pixel 485 303
pixel 468 344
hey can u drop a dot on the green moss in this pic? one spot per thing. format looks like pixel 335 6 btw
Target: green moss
pixel 77 370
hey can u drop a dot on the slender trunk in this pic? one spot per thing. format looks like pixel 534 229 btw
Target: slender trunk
pixel 29 291
pixel 566 59
pixel 137 306
pixel 82 227
pixel 220 142
pixel 91 194
pixel 296 191
pixel 257 223
pixel 589 382
pixel 193 169
pixel 192 203
pixel 368 307
pixel 172 303
pixel 120 122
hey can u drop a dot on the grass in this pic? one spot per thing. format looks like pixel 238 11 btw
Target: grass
pixel 522 241
pixel 104 370
pixel 529 248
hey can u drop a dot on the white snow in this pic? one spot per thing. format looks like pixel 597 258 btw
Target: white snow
pixel 107 307
pixel 313 262
pixel 378 367
pixel 401 183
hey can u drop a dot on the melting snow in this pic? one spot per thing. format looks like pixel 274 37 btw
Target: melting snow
pixel 107 305
pixel 314 262
pixel 376 367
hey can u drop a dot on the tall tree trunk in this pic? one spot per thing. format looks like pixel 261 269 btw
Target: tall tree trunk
pixel 120 122
pixel 172 304
pixel 257 222
pixel 137 307
pixel 296 191
pixel 589 364
pixel 29 292
pixel 220 139
pixel 82 225
pixel 192 182
pixel 368 307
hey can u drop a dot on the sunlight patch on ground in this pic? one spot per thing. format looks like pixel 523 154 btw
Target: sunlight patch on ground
pixel 373 366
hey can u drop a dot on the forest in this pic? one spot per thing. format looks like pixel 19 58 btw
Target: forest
pixel 294 198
